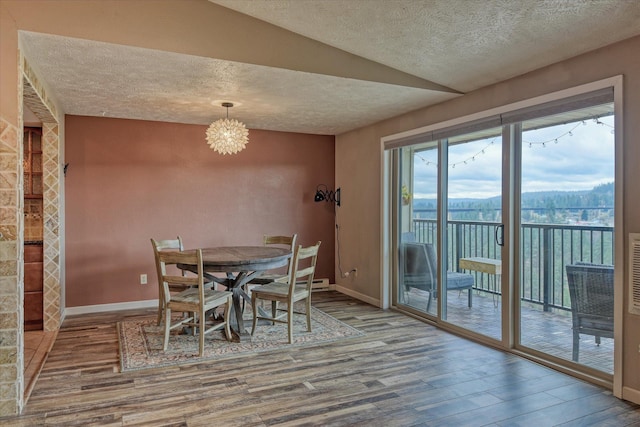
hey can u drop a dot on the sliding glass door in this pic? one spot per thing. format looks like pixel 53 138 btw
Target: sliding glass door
pixel 567 228
pixel 418 234
pixel 474 227
pixel 465 256
pixel 504 228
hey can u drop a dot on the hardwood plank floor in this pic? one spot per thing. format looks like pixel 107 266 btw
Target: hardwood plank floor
pixel 401 373
pixel 549 332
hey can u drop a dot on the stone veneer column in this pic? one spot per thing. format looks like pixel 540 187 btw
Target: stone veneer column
pixel 35 96
pixel 11 272
pixel 12 235
pixel 51 226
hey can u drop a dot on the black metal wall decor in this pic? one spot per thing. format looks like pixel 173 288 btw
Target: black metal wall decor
pixel 323 194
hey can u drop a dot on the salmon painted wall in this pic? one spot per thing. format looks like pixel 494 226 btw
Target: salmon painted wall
pixel 130 180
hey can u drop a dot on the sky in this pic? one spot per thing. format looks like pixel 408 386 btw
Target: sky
pixel 582 158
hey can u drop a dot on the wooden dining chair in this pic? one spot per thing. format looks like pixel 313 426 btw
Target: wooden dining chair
pixel 161 245
pixel 265 278
pixel 195 300
pixel 297 287
pixel 285 241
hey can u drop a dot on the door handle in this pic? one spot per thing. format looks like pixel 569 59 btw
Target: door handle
pixel 499 235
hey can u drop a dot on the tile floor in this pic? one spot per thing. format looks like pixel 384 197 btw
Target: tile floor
pixel 37 345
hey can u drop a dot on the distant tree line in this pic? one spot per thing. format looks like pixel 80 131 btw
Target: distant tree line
pixel 544 206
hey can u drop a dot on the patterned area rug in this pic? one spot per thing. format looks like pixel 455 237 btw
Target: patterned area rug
pixel 141 340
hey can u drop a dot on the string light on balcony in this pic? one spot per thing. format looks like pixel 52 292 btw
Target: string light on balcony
pixel 453 165
pixel 554 140
pixel 531 144
pixel 597 121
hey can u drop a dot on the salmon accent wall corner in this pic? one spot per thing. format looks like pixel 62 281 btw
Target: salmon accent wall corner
pixel 131 180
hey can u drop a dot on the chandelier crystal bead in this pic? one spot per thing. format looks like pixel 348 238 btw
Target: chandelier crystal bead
pixel 227 136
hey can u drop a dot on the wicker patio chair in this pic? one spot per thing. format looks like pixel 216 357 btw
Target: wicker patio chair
pixel 418 262
pixel 591 294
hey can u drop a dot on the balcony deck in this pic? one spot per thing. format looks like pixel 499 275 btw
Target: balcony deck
pixel 549 332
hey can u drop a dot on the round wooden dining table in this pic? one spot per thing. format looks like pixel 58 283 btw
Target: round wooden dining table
pixel 240 264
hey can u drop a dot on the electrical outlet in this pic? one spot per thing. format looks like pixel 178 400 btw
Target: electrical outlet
pixel 348 273
pixel 143 279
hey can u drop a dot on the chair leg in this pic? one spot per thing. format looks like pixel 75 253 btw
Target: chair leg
pixel 274 311
pixel 167 327
pixel 160 306
pixel 470 297
pixel 194 320
pixel 203 319
pixel 309 313
pixel 597 340
pixel 290 322
pixel 576 346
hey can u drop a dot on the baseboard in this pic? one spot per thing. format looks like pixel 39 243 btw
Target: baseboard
pixel 631 394
pixel 358 295
pixel 320 284
pixel 99 308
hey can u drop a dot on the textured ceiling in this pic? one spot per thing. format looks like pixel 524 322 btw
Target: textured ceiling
pixel 461 44
pixel 458 44
pixel 101 79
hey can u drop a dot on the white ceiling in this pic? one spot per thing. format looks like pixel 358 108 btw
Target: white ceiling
pixel 458 44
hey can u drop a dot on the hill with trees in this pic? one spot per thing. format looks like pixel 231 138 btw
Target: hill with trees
pixel 594 206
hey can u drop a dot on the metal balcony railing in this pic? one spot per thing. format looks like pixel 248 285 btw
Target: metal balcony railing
pixel 545 251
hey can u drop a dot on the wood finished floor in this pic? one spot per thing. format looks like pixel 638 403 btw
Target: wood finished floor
pixel 549 332
pixel 401 373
